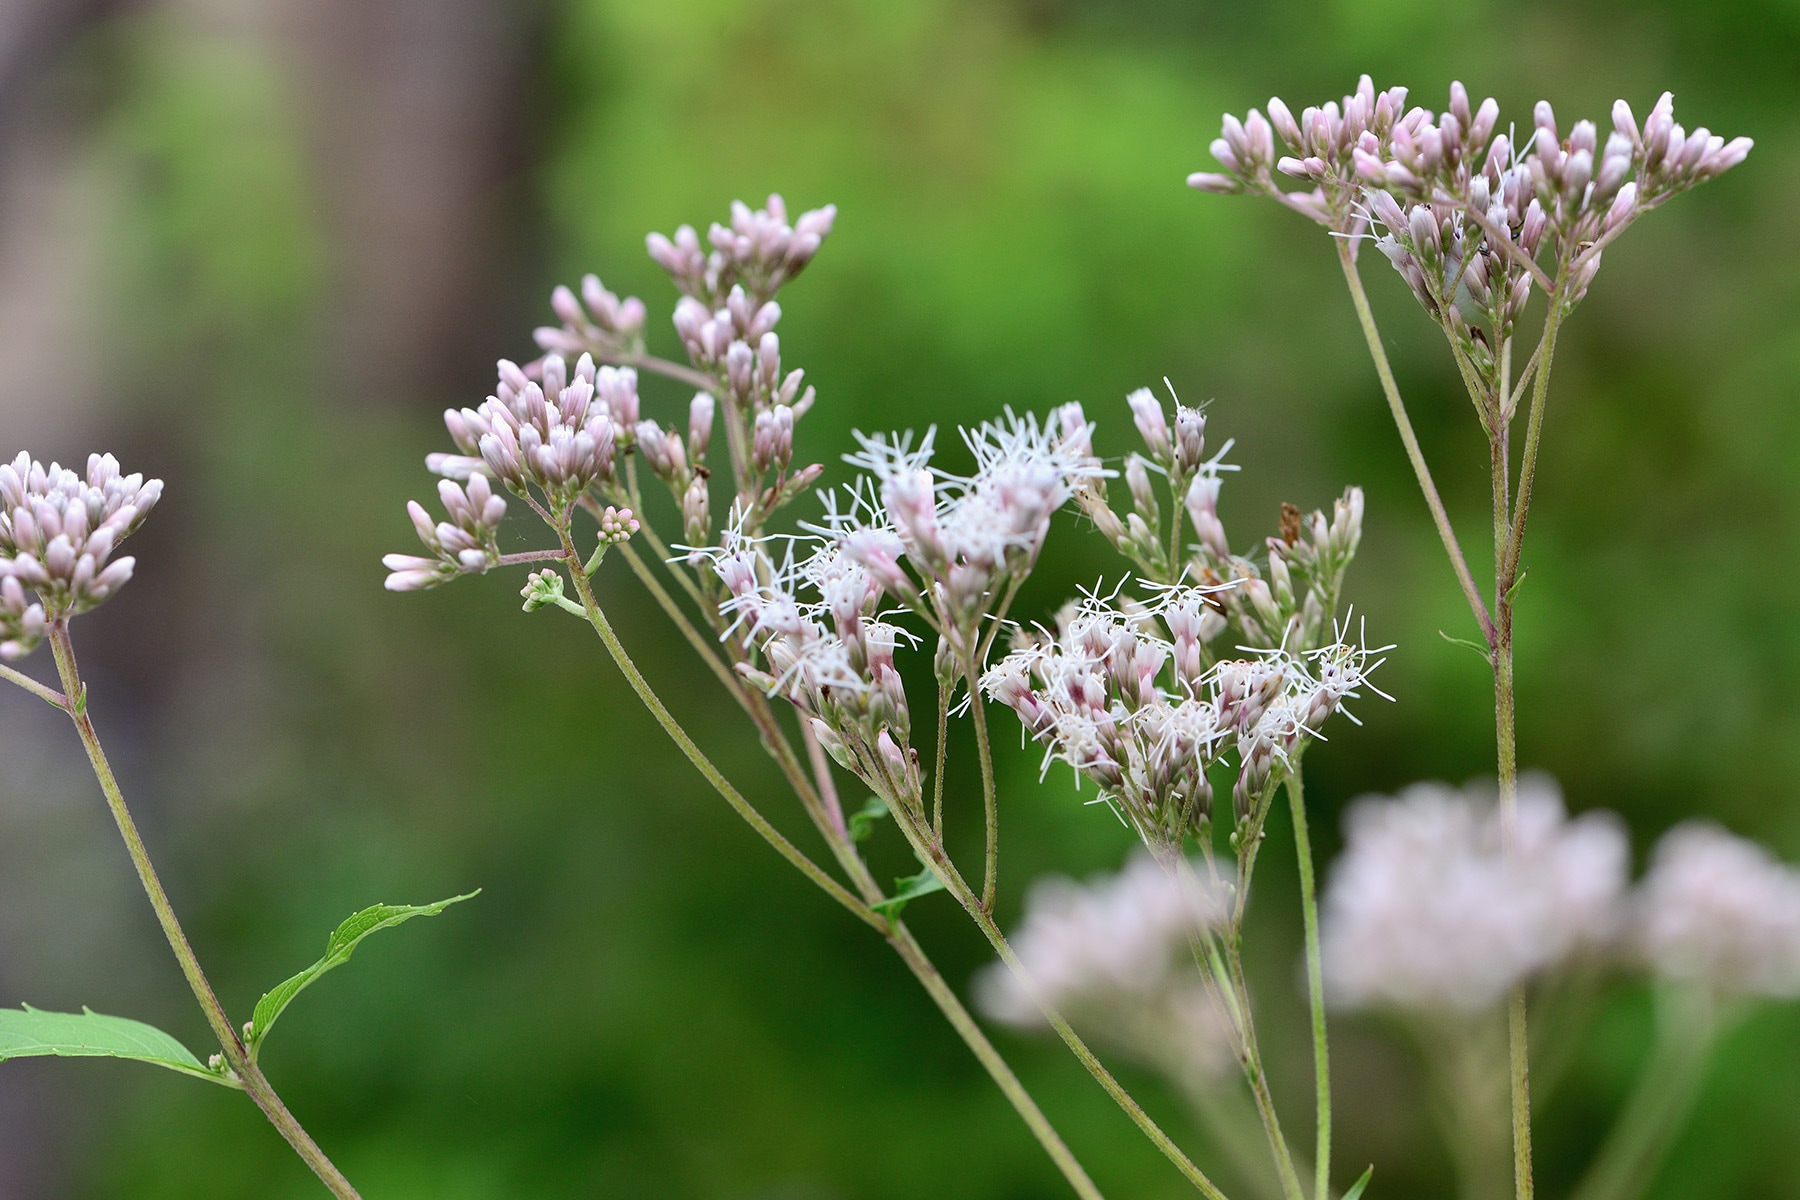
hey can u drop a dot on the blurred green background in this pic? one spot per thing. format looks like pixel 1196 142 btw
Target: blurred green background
pixel 256 246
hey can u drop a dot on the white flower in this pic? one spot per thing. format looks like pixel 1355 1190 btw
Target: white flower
pixel 1721 910
pixel 1424 912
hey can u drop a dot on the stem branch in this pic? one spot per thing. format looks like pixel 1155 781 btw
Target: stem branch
pixel 256 1084
pixel 1446 532
pixel 1315 986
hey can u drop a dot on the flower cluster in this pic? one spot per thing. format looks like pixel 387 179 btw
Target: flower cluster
pixel 597 322
pixel 463 544
pixel 58 531
pixel 1114 955
pixel 1720 911
pixel 759 251
pixel 558 436
pixel 1465 213
pixel 1425 912
pixel 1121 694
pixel 952 547
pixel 1291 602
pixel 814 617
pixel 738 345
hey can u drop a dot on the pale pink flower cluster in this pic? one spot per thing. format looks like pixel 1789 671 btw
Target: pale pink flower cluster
pixel 815 616
pixel 1114 954
pixel 758 250
pixel 950 546
pixel 1720 911
pixel 1125 696
pixel 1426 912
pixel 58 531
pixel 1465 211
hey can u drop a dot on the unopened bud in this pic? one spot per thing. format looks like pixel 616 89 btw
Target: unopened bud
pixel 1151 424
pixel 700 426
pixel 696 511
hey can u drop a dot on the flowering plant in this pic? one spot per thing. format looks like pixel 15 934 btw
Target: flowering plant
pixel 1194 665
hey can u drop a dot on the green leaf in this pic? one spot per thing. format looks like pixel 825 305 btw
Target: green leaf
pixel 911 887
pixel 1513 591
pixel 1477 647
pixel 863 823
pixel 29 1031
pixel 1356 1189
pixel 337 952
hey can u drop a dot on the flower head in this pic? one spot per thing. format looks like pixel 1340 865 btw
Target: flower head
pixel 464 544
pixel 58 531
pixel 1120 695
pixel 758 250
pixel 965 538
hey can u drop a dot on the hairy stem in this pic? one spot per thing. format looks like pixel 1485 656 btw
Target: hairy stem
pixel 937 774
pixel 640 685
pixel 990 805
pixel 1509 538
pixel 50 696
pixel 1251 1057
pixel 1534 424
pixel 908 948
pixel 256 1084
pixel 704 648
pixel 1446 532
pixel 1315 987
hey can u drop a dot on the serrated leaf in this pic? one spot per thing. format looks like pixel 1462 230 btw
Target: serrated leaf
pixel 1356 1189
pixel 28 1031
pixel 908 888
pixel 342 944
pixel 863 823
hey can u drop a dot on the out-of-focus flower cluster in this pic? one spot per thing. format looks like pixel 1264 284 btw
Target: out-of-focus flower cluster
pixel 58 531
pixel 1123 694
pixel 1426 912
pixel 1292 602
pixel 1465 214
pixel 1114 956
pixel 1720 911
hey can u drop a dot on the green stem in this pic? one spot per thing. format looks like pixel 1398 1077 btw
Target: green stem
pixel 50 696
pixel 255 1083
pixel 1446 533
pixel 1509 538
pixel 640 685
pixel 1254 1073
pixel 1660 1101
pixel 954 883
pixel 897 934
pixel 1540 392
pixel 1002 1074
pixel 1315 986
pixel 707 651
pixel 990 806
pixel 937 777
